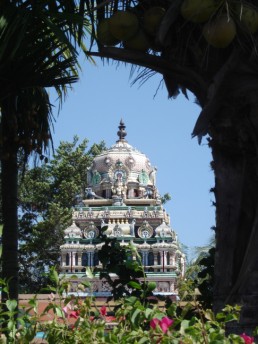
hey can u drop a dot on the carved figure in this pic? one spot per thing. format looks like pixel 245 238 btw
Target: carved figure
pixel 132 225
pixel 153 176
pixel 143 177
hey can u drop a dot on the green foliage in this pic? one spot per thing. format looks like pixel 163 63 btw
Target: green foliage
pixel 125 263
pixel 46 194
pixel 76 321
pixel 206 278
pixel 199 278
pixel 165 198
pixel 119 260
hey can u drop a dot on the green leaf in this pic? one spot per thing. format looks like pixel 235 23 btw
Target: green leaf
pixel 49 289
pixel 59 312
pixel 148 311
pixel 220 316
pixel 235 339
pixel 89 272
pixel 134 315
pixel 53 275
pixel 144 340
pixel 11 305
pixel 11 325
pixel 184 326
pixel 209 314
pixel 171 311
pixel 131 300
pixel 135 285
pixel 231 317
pixel 132 264
pixel 86 284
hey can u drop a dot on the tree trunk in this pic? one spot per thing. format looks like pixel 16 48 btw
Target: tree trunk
pixel 235 163
pixel 9 199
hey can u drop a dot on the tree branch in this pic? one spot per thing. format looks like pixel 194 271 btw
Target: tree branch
pixel 181 74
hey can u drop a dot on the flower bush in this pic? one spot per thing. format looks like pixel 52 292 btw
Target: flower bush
pixel 74 320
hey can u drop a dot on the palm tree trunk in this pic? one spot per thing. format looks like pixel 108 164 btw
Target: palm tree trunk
pixel 9 199
pixel 235 162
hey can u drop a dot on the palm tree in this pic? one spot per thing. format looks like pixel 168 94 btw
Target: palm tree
pixel 225 82
pixel 38 49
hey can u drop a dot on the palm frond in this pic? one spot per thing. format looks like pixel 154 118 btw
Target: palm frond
pixel 38 54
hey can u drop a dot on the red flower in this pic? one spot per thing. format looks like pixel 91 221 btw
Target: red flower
pixel 247 339
pixel 164 323
pixel 74 314
pixel 103 311
pixel 110 319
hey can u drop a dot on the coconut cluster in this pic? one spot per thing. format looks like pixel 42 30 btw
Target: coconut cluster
pixel 219 20
pixel 133 30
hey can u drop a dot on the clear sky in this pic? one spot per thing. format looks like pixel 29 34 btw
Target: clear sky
pixel 157 126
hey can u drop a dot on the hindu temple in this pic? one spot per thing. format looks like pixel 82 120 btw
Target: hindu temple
pixel 122 195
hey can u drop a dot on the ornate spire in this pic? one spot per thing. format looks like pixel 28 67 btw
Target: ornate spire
pixel 121 133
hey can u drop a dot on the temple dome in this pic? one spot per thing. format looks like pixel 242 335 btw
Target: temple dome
pixel 119 166
pixel 122 154
pixel 164 230
pixel 73 231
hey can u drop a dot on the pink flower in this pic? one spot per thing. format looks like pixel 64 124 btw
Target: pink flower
pixel 164 323
pixel 103 311
pixel 52 296
pixel 154 322
pixel 247 339
pixel 67 308
pixel 110 318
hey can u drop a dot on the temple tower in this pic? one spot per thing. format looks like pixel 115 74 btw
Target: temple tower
pixel 122 195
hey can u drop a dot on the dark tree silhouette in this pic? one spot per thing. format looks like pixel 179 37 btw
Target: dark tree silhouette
pixel 212 52
pixel 38 41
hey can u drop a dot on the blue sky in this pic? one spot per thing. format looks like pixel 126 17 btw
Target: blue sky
pixel 159 127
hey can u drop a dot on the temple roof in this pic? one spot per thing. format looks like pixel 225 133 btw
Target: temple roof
pixel 123 174
pixel 122 154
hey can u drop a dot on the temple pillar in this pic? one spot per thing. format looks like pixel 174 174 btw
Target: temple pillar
pixel 173 260
pixel 165 262
pixel 155 254
pixel 73 258
pixel 144 258
pixel 90 258
pixel 168 258
pixel 79 258
pixel 63 259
